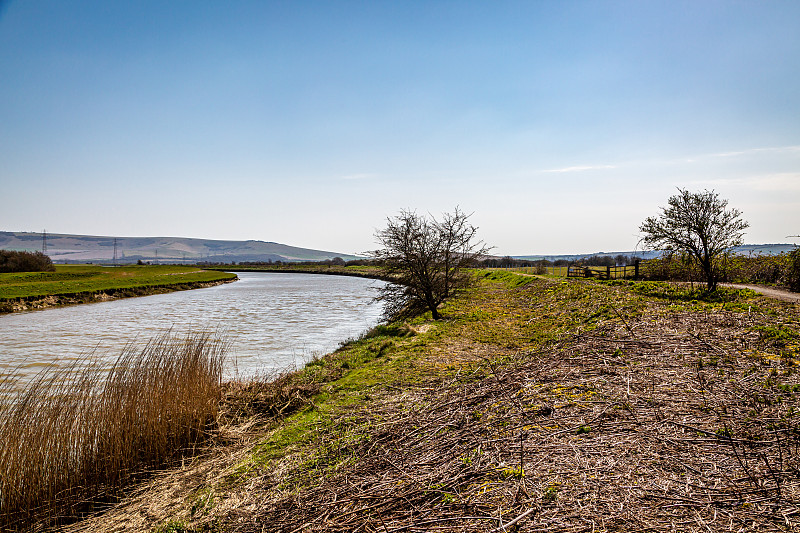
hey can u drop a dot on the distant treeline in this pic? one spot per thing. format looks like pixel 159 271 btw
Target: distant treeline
pixel 782 270
pixel 336 261
pixel 594 260
pixel 11 261
pixel 490 262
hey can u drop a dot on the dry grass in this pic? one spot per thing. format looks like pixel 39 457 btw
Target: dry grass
pixel 548 406
pixel 74 437
pixel 666 421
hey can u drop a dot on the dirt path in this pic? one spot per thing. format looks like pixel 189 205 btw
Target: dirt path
pixel 778 294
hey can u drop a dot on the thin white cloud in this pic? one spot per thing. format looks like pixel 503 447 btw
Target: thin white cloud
pixel 773 149
pixel 779 182
pixel 690 159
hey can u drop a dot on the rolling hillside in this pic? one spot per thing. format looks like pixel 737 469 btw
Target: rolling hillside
pixel 89 248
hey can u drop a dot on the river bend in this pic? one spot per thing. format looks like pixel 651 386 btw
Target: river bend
pixel 273 321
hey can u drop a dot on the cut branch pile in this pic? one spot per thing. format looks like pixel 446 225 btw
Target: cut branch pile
pixel 668 424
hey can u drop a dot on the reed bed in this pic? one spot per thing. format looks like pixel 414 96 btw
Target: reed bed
pixel 74 436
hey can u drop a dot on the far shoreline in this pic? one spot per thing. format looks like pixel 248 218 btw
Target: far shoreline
pixel 37 303
pixel 48 301
pixel 368 274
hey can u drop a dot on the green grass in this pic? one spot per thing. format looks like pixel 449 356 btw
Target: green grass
pixel 394 356
pixel 509 278
pixel 75 279
pixel 685 296
pixel 558 271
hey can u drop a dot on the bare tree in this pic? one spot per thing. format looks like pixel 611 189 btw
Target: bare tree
pixel 698 225
pixel 426 259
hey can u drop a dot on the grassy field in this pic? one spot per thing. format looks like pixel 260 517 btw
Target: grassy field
pixel 541 404
pixel 560 271
pixel 75 279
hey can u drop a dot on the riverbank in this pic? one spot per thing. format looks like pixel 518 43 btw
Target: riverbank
pixel 78 284
pixel 552 405
pixel 368 272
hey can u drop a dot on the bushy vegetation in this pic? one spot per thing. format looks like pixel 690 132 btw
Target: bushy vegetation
pixel 544 264
pixel 700 227
pixel 11 261
pixel 794 270
pixel 69 442
pixel 781 270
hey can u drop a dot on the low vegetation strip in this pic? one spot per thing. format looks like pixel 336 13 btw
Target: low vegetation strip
pixel 70 280
pixel 358 271
pixel 540 404
pixel 74 438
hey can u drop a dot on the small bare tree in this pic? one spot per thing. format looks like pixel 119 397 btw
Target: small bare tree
pixel 698 225
pixel 427 259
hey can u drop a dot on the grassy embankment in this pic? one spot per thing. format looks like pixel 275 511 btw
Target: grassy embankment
pixel 85 283
pixel 361 271
pixel 547 404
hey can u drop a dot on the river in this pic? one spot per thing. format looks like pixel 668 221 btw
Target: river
pixel 273 321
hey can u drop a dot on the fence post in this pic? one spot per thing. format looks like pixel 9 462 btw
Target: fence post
pixel 636 271
pixel 608 271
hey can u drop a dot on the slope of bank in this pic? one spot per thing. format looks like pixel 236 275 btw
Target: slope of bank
pixel 74 284
pixel 538 404
pixel 369 272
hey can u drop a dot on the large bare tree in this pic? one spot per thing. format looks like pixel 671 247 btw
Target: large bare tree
pixel 699 225
pixel 427 259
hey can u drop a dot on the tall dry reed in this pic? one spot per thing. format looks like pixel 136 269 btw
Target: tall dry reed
pixel 75 435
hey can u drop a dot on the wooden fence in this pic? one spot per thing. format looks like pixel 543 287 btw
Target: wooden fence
pixel 604 272
pixel 582 271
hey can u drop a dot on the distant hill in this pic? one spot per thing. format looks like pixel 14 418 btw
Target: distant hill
pixel 745 249
pixel 88 248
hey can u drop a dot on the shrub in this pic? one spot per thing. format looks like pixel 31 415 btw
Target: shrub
pixel 764 269
pixel 427 260
pixel 11 261
pixel 782 270
pixel 793 270
pixel 669 267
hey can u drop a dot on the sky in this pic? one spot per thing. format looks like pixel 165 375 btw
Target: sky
pixel 560 125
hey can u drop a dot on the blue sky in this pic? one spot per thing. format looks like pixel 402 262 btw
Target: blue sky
pixel 560 125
